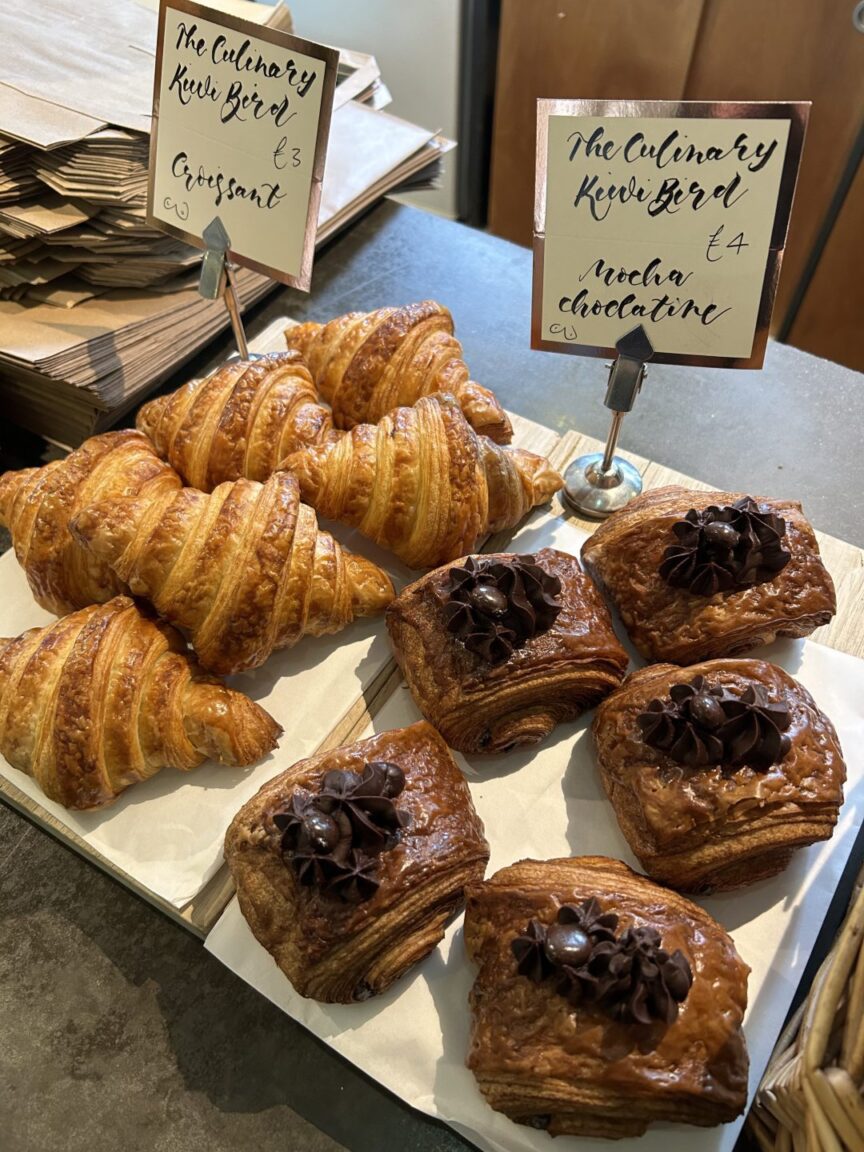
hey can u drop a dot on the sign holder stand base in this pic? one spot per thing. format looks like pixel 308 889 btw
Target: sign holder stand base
pixel 601 483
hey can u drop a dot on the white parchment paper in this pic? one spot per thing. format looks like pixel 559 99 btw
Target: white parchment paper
pixel 546 802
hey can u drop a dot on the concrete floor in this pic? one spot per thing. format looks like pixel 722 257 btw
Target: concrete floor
pixel 119 1032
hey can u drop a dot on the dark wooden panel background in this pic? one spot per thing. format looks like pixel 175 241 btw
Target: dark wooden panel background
pixel 706 50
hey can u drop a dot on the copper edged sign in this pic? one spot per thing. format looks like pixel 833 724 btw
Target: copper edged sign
pixel 241 116
pixel 672 215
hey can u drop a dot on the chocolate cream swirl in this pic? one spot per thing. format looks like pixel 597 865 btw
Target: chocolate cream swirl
pixel 332 838
pixel 497 606
pixel 701 725
pixel 725 549
pixel 629 976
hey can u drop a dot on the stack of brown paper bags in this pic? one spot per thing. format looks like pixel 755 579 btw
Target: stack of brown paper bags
pixel 96 306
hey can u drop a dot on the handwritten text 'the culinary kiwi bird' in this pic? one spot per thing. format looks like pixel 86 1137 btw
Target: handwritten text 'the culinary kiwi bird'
pixel 237 100
pixel 674 192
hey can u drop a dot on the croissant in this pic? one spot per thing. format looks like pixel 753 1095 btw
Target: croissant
pixel 238 422
pixel 242 571
pixel 422 482
pixel 106 697
pixel 365 364
pixel 36 505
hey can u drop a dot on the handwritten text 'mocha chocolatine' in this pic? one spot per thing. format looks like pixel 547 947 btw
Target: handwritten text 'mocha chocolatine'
pixel 673 193
pixel 240 99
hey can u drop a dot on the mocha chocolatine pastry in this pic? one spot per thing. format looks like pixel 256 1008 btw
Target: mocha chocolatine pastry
pixel 349 865
pixel 499 649
pixel 602 1003
pixel 696 575
pixel 719 771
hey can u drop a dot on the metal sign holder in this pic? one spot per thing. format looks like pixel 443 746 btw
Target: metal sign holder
pixel 601 483
pixel 217 279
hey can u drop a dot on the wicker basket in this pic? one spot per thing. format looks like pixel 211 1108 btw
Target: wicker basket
pixel 810 1098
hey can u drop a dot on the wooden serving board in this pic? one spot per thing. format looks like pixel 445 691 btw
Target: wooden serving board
pixel 845 633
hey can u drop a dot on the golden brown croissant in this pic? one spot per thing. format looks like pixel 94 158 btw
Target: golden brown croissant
pixel 422 483
pixel 240 421
pixel 106 697
pixel 365 364
pixel 36 505
pixel 242 571
pixel 349 864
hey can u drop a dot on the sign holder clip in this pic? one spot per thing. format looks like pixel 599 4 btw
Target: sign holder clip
pixel 601 483
pixel 217 279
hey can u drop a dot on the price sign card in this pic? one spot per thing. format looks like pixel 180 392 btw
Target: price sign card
pixel 241 116
pixel 669 215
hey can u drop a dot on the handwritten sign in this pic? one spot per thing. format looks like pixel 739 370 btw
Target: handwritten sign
pixel 670 216
pixel 241 115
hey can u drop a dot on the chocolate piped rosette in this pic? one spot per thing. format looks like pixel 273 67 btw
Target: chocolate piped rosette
pixel 719 771
pixel 497 649
pixel 696 575
pixel 602 1002
pixel 349 865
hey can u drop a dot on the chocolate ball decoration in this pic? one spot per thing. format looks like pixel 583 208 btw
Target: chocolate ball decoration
pixel 340 780
pixel 567 944
pixel 390 777
pixel 320 830
pixel 721 535
pixel 705 709
pixel 488 599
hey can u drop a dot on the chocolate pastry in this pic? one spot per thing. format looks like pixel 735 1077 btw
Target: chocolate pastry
pixel 696 575
pixel 719 771
pixel 349 865
pixel 602 1003
pixel 499 649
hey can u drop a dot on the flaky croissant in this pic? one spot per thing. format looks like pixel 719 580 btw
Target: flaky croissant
pixel 365 364
pixel 422 483
pixel 242 571
pixel 240 421
pixel 36 505
pixel 106 697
